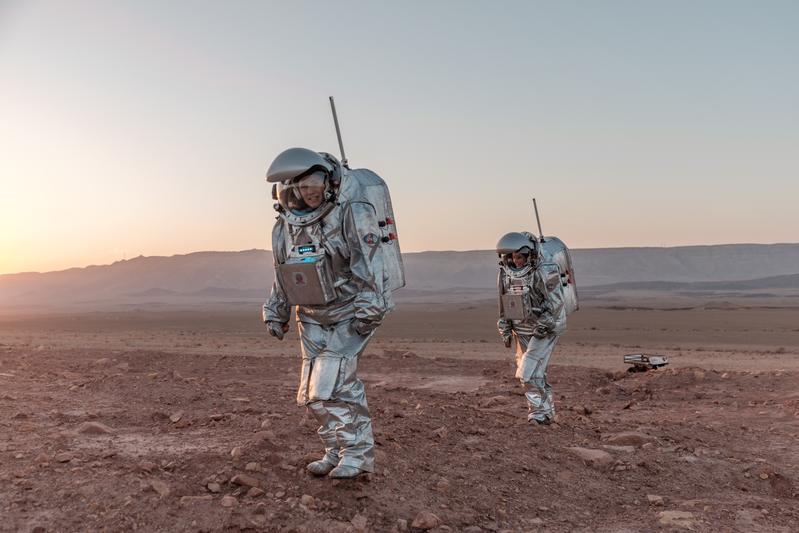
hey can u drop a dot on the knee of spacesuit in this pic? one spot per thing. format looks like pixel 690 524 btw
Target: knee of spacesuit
pixel 323 378
pixel 537 383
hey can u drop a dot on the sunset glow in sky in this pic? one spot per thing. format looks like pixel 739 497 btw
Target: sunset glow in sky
pixel 145 128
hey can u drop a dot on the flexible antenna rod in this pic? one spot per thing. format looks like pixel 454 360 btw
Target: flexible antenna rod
pixel 338 134
pixel 540 231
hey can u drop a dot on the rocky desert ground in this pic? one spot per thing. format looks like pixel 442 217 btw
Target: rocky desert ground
pixel 147 420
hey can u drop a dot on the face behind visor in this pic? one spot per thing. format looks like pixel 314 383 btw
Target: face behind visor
pixel 519 259
pixel 304 195
pixel 517 250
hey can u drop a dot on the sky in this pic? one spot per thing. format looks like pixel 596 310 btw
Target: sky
pixel 146 127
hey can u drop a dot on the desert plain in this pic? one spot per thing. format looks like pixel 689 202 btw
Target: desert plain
pixel 185 420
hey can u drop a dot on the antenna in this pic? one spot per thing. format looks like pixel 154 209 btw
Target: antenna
pixel 338 134
pixel 540 231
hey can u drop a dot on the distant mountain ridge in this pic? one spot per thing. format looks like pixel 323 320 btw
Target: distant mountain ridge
pixel 247 275
pixel 790 281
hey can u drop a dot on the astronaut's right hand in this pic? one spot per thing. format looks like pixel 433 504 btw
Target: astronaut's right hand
pixel 541 331
pixel 506 341
pixel 277 329
pixel 362 327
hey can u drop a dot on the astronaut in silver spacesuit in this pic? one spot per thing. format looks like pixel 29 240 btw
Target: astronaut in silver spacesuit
pixel 337 259
pixel 533 312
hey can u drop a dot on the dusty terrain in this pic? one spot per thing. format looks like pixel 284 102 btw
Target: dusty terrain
pixel 164 421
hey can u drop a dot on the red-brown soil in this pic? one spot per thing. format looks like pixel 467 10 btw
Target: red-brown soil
pixel 720 447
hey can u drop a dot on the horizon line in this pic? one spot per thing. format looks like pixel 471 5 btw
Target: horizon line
pixel 141 256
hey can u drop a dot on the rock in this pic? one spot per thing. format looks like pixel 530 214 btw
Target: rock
pixel 228 501
pixel 619 449
pixel 307 500
pixel 654 499
pixel 535 522
pixel 242 399
pixel 188 500
pixel 681 519
pixel 147 466
pixel 402 525
pixel 245 481
pixel 160 487
pixel 266 424
pixel 216 417
pixel 442 486
pixel 213 487
pixel 280 494
pixel 253 467
pixel 440 433
pixel 236 452
pixel 629 438
pixel 254 492
pixel 472 529
pixel 95 428
pixel 63 457
pixel 359 523
pixel 426 520
pixel 594 458
pixel 175 417
pixel 42 458
pixel 584 409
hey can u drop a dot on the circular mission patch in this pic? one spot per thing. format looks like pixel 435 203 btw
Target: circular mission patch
pixel 370 239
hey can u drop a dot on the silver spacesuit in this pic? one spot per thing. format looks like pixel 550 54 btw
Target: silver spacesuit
pixel 536 290
pixel 337 259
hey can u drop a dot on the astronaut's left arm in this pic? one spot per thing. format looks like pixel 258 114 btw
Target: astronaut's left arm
pixel 277 310
pixel 553 315
pixel 362 234
pixel 504 325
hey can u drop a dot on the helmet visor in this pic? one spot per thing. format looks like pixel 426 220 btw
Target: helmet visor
pixel 518 259
pixel 303 195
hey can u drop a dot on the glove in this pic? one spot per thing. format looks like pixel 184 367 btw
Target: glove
pixel 541 331
pixel 276 329
pixel 506 341
pixel 362 327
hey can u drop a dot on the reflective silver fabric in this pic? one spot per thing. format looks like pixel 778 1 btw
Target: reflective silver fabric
pixel 351 237
pixel 536 337
pixel 532 360
pixel 330 388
